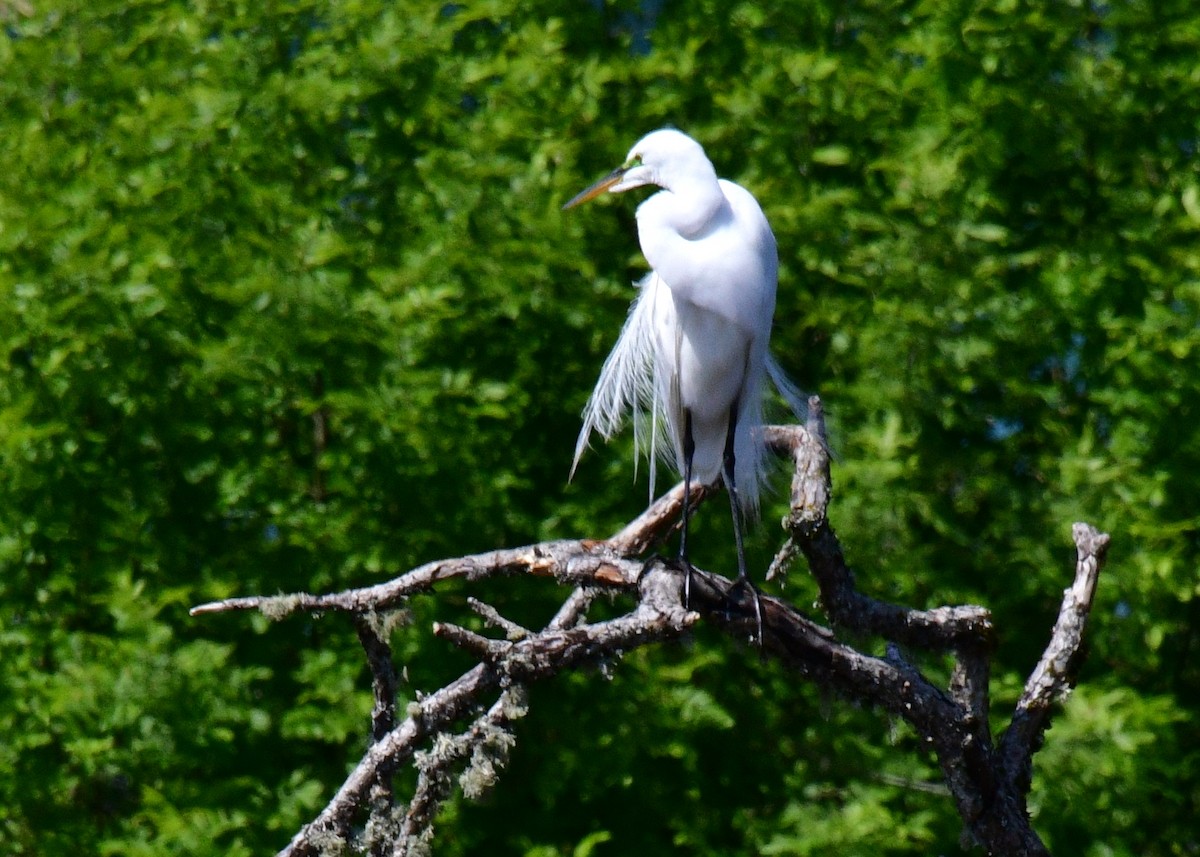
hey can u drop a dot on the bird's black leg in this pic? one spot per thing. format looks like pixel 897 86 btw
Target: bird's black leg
pixel 727 473
pixel 682 563
pixel 689 452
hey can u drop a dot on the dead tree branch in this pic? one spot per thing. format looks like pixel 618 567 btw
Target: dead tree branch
pixel 1056 672
pixel 989 783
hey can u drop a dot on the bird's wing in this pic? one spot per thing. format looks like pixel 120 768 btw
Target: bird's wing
pixel 730 270
pixel 755 236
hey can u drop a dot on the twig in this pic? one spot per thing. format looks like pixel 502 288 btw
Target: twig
pixel 487 650
pixel 577 561
pixel 574 608
pixel 492 616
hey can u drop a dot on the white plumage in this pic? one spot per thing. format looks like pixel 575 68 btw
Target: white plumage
pixel 695 342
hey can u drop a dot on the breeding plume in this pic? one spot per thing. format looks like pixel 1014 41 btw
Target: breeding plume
pixel 692 357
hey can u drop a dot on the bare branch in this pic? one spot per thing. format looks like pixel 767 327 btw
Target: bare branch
pixel 539 656
pixel 988 785
pixel 371 632
pixel 655 525
pixel 577 561
pixel 1058 668
pixel 486 742
pixel 492 616
pixel 574 608
pixel 487 650
pixel 432 715
pixel 969 681
pixel 811 533
pixel 383 675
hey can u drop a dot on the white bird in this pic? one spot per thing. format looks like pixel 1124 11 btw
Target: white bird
pixel 693 353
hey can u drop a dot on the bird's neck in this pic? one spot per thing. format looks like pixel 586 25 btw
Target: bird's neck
pixel 697 205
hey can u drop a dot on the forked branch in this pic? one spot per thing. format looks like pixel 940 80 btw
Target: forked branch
pixel 989 783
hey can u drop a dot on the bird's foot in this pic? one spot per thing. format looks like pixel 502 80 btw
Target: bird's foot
pixel 735 596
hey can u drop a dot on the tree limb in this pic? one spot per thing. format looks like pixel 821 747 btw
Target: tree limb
pixel 371 633
pixel 989 785
pixel 1058 668
pixel 812 535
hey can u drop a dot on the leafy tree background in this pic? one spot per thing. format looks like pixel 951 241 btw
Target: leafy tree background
pixel 287 302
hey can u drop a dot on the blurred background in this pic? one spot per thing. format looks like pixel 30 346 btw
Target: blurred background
pixel 287 303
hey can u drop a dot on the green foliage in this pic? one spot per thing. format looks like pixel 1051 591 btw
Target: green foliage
pixel 287 303
pixel 1124 756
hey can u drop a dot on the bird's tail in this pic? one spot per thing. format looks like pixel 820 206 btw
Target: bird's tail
pixel 795 399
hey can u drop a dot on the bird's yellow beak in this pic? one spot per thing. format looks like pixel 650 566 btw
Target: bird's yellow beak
pixel 598 188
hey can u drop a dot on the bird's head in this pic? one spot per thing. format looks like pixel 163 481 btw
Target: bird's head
pixel 660 158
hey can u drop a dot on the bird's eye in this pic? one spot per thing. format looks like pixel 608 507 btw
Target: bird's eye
pixel 635 161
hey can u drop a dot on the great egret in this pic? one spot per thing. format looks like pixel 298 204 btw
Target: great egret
pixel 693 352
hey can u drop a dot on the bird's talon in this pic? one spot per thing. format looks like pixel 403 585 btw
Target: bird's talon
pixel 756 594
